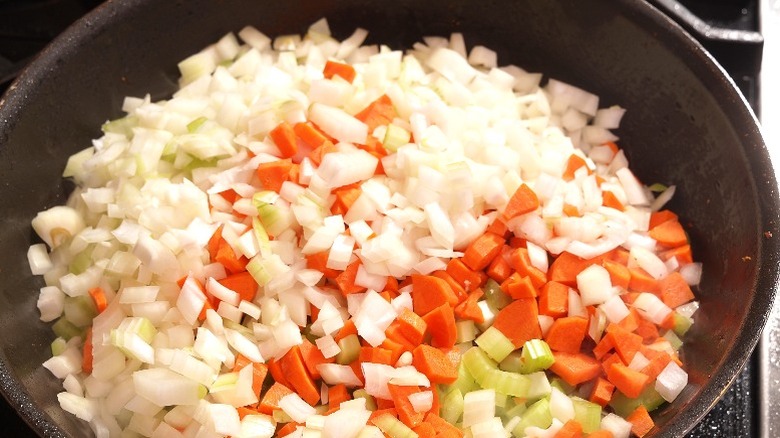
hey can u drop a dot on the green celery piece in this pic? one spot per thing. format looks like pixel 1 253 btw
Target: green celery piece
pixel 82 260
pixel 513 362
pixel 80 311
pixel 350 350
pixel 58 346
pixel 452 406
pixel 465 382
pixel 65 329
pixel 587 414
pixel 673 339
pixel 681 324
pixel 495 344
pixel 393 427
pixel 624 406
pixel 538 415
pixel 486 373
pixel 370 401
pixel 536 356
pixel 495 297
pixel 195 125
pixel 562 386
pixel 395 137
pixel 515 411
pixel 658 188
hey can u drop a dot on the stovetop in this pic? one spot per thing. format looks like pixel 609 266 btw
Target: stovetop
pixel 727 28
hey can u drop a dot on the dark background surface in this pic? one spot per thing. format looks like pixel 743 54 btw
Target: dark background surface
pixel 27 26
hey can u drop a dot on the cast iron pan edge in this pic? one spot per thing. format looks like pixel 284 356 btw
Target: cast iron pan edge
pixel 104 17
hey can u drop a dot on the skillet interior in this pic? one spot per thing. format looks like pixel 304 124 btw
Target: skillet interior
pixel 686 125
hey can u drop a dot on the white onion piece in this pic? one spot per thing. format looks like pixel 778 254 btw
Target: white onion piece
pixel 594 284
pixel 294 406
pixel 671 381
pixel 651 307
pixel 619 427
pixel 691 273
pixel 335 374
pixel 338 124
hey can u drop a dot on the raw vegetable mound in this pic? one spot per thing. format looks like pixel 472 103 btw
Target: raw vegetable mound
pixel 321 238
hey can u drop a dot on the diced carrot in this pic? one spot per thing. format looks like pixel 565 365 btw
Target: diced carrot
pixel 523 201
pixel 566 334
pixel 393 332
pixel 566 266
pixel 406 413
pixel 272 174
pixel 608 199
pixel 443 428
pixel 618 255
pixel 641 281
pixel 515 242
pixel 333 68
pixel 213 245
pixel 629 382
pixel 98 296
pixel 682 253
pixel 521 262
pixel 646 329
pixel 337 394
pixel 270 400
pixel 320 151
pixel 460 292
pixel 287 429
pixel 469 308
pixel 630 322
pixel 243 411
pixel 396 349
pixel 243 283
pixel 602 391
pixel 626 343
pixel 412 326
pixel 376 355
pixel 424 430
pixel 295 370
pixel 346 280
pixel 675 290
pixel 554 299
pixel 319 262
pixel 571 210
pixel 466 277
pixel 275 368
pixel 434 364
pixel 348 329
pixel 570 429
pixel 206 307
pixel 498 228
pixel 619 274
pixel 575 368
pixel 392 284
pixel 229 195
pixel 441 325
pixel 604 346
pixel 309 134
pixel 670 234
pixel 378 113
pixel 574 163
pixel 232 262
pixel 499 269
pixel 658 362
pixel 482 250
pixel 602 433
pixel 86 353
pixel 640 420
pixel 285 140
pixel 659 217
pixel 517 286
pixel 519 321
pixel 345 198
pixel 429 292
pixel 312 357
pixel 382 411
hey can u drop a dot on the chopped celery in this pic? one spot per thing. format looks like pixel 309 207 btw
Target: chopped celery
pixel 536 356
pixel 80 310
pixel 82 260
pixel 465 382
pixel 562 386
pixel 673 339
pixel 513 362
pixel 58 346
pixel 393 427
pixel 281 417
pixel 452 406
pixel 681 324
pixel 395 137
pixel 587 414
pixel 624 406
pixel 515 411
pixel 466 331
pixel 194 125
pixel 501 400
pixel 495 344
pixel 537 415
pixel 486 373
pixel 495 297
pixel 657 188
pixel 370 401
pixel 65 329
pixel 350 350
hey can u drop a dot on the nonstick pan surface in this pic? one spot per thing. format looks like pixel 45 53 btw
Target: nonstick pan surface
pixel 686 125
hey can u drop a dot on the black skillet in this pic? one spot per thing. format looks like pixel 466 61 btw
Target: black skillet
pixel 686 125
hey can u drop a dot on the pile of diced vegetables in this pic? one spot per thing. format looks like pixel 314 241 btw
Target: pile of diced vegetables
pixel 321 238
